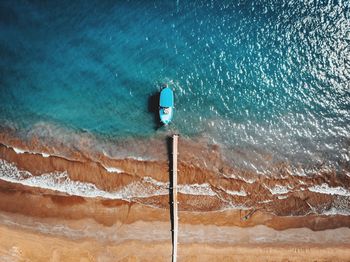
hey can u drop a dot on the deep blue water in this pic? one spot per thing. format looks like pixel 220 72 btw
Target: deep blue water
pixel 265 76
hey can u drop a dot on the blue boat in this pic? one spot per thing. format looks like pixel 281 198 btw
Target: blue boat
pixel 166 105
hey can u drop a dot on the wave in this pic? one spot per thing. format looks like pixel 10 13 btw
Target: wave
pixel 60 182
pixel 326 189
pixel 278 189
pixel 22 151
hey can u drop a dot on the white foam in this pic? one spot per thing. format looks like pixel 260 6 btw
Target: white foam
pixel 196 189
pixel 229 176
pixel 18 151
pixel 282 197
pixel 105 154
pixel 155 182
pixel 326 189
pixel 266 201
pixel 113 169
pixel 336 211
pixel 235 193
pixel 278 190
pixel 249 181
pixel 302 182
pixel 60 181
pixel 23 151
pixel 54 181
pixel 301 173
pixel 137 158
pixel 190 189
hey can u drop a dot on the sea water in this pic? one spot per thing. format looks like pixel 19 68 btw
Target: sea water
pixel 260 78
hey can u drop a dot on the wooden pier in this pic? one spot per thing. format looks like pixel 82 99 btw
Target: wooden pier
pixel 174 197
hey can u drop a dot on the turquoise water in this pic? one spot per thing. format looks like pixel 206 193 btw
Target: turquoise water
pixel 269 77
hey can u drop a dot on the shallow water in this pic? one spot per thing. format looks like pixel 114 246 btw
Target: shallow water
pixel 264 79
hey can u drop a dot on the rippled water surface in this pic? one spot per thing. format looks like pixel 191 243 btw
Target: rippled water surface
pixel 262 78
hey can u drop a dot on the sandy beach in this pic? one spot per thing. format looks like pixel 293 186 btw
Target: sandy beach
pixel 73 208
pixel 150 241
pixel 207 131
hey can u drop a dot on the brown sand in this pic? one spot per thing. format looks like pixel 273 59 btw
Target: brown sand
pixel 44 225
pixel 297 202
pixel 25 245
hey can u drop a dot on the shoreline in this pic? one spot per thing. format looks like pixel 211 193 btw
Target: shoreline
pixel 89 206
pixel 20 244
pixel 42 203
pixel 153 230
pixel 200 189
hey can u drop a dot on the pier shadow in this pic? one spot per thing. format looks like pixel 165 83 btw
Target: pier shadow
pixel 171 183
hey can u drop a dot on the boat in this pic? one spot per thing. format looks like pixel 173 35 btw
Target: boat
pixel 166 105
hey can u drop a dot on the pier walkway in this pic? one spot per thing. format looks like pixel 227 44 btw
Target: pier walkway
pixel 174 197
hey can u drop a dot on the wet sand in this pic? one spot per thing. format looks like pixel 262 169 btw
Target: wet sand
pixel 40 226
pixel 236 216
pixel 18 244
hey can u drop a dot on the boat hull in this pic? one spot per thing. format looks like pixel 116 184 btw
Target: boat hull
pixel 166 105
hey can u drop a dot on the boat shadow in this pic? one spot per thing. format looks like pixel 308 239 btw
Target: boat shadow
pixel 153 107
